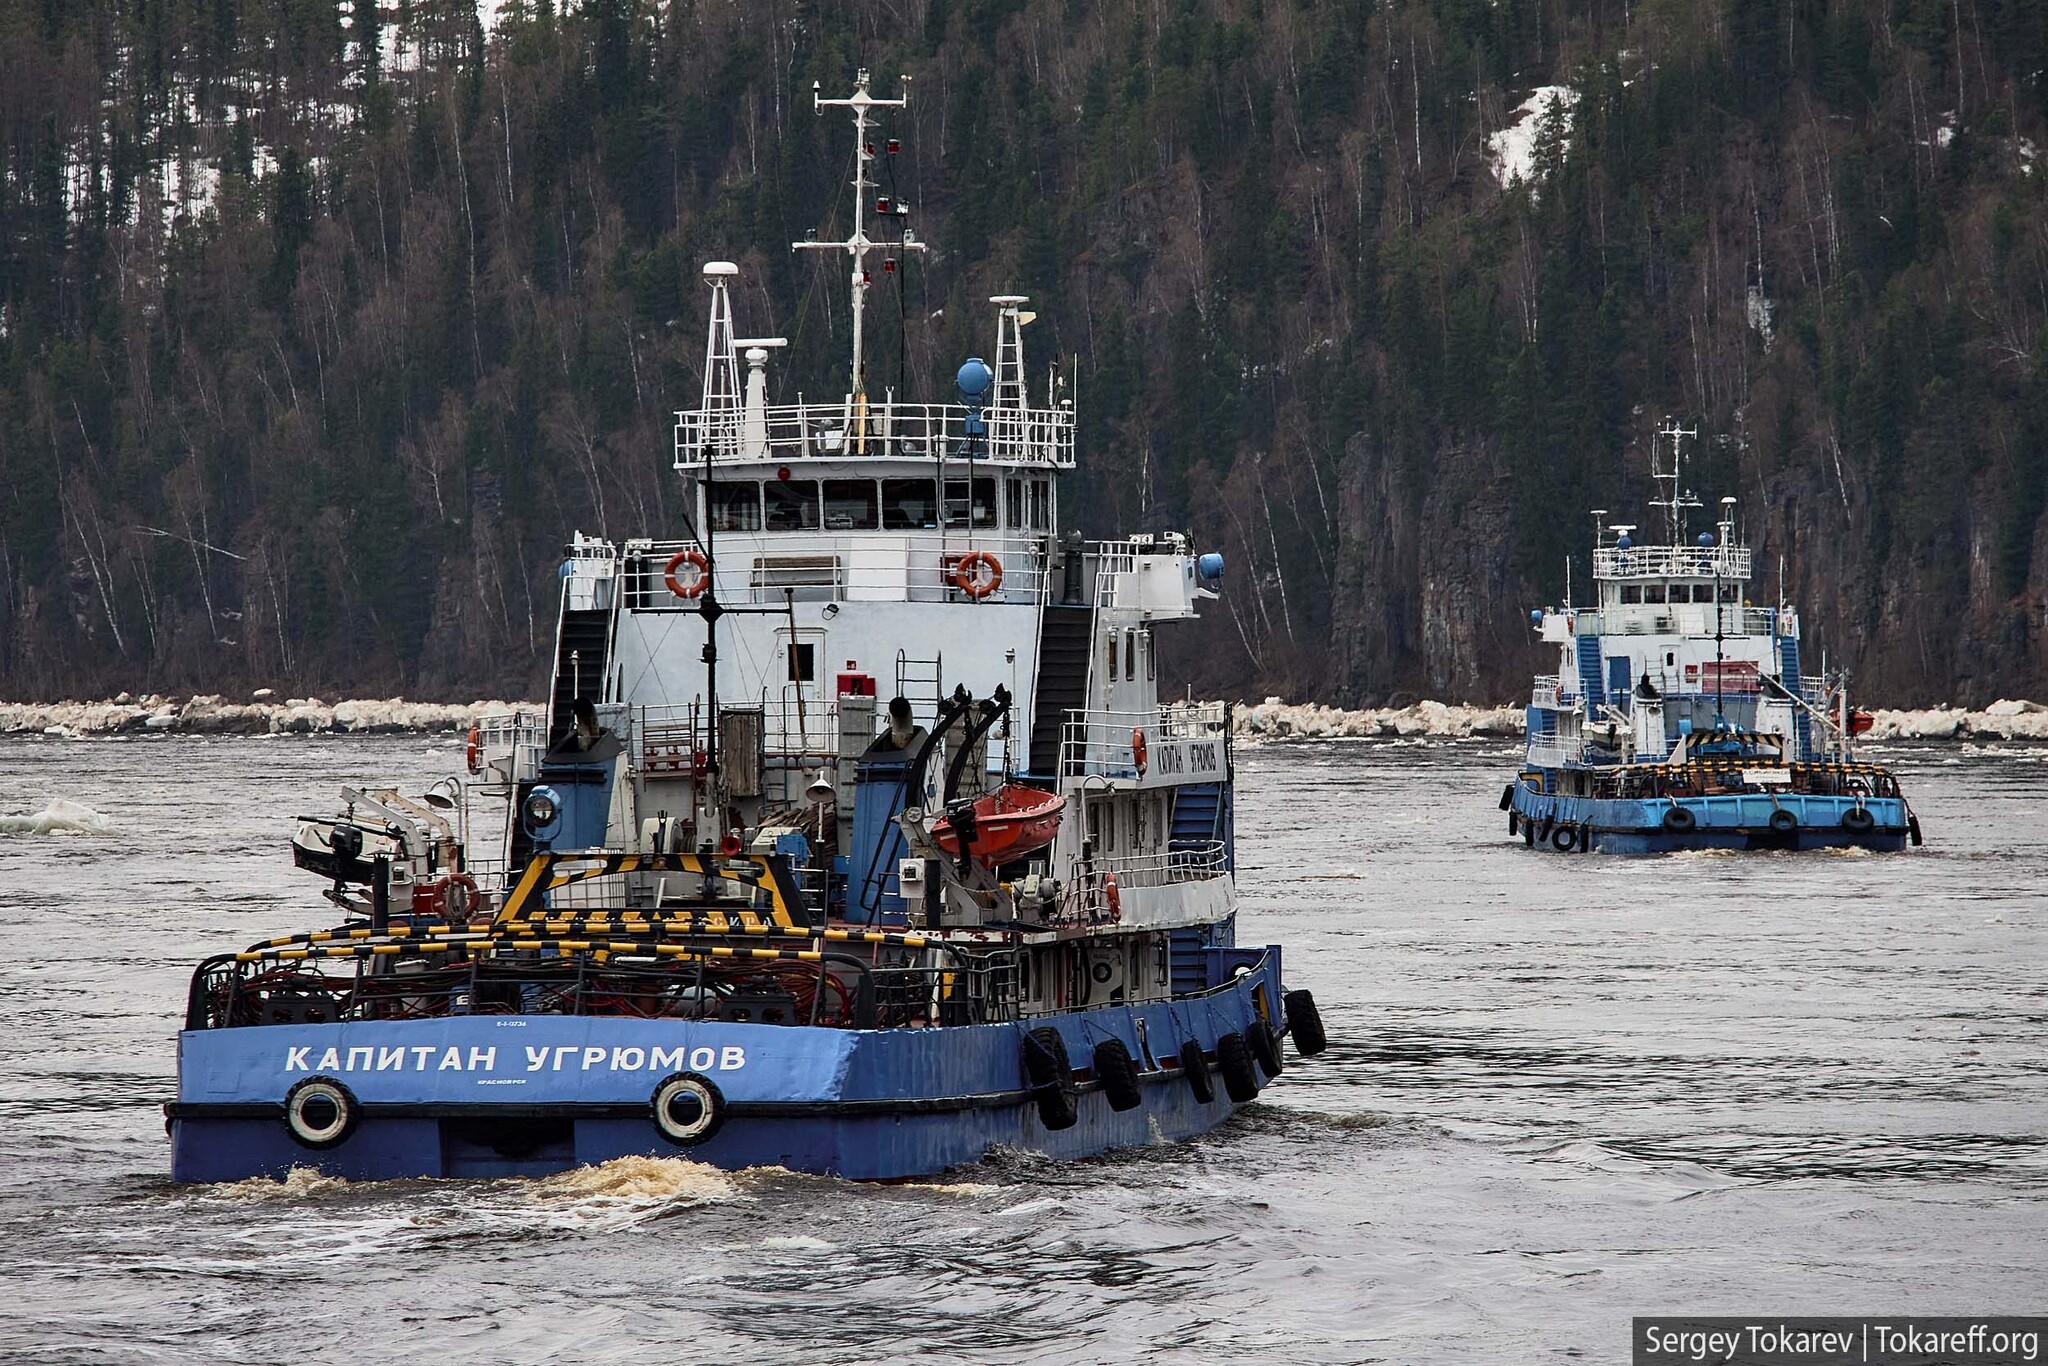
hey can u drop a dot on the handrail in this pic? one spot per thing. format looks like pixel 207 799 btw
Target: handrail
pixel 840 431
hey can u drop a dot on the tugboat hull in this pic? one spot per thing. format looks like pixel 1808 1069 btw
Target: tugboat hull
pixel 514 1095
pixel 1748 821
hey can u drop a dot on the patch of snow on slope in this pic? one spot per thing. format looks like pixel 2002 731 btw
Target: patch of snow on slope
pixel 1512 151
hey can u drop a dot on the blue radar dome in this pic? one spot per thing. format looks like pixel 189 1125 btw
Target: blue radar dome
pixel 1706 538
pixel 1623 542
pixel 974 379
pixel 1210 567
pixel 1535 616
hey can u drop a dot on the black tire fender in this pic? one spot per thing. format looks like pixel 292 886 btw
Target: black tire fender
pixel 1118 1075
pixel 688 1108
pixel 1194 1065
pixel 320 1113
pixel 1858 821
pixel 1050 1077
pixel 1565 838
pixel 1264 1041
pixel 1783 821
pixel 1305 1023
pixel 1679 820
pixel 1234 1061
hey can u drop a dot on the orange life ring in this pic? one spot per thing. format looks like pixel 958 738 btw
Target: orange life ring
pixel 462 896
pixel 688 555
pixel 475 750
pixel 969 576
pixel 1138 748
pixel 1112 896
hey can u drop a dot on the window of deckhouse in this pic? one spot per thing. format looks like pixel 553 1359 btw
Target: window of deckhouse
pixel 792 504
pixel 1631 593
pixel 735 506
pixel 977 510
pixel 850 505
pixel 1731 592
pixel 1653 592
pixel 910 504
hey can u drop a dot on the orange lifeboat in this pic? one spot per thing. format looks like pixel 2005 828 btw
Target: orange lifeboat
pixel 1006 824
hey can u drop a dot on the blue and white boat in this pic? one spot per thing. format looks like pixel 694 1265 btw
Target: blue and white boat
pixel 854 838
pixel 1680 716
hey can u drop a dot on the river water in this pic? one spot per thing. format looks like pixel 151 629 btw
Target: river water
pixel 1563 1090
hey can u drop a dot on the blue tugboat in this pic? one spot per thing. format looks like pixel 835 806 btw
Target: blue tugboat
pixel 1679 716
pixel 854 838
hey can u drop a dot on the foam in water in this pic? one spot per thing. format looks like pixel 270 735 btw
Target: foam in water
pixel 663 1180
pixel 300 1183
pixel 60 817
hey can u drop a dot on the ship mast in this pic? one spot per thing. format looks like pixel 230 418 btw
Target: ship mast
pixel 858 244
pixel 1673 499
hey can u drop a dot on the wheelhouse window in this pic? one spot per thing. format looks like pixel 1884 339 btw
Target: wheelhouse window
pixel 1041 505
pixel 1631 593
pixel 1653 592
pixel 734 507
pixel 1703 592
pixel 975 506
pixel 1731 592
pixel 792 504
pixel 910 504
pixel 850 505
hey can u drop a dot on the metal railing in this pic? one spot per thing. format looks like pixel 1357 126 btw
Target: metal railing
pixel 814 566
pixel 837 989
pixel 1104 742
pixel 1672 561
pixel 1191 863
pixel 1543 692
pixel 849 430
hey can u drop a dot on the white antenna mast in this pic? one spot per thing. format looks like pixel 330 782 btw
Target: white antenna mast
pixel 858 243
pixel 1675 500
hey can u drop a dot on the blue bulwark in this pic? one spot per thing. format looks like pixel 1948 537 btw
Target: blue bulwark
pixel 1619 685
pixel 1788 674
pixel 1589 674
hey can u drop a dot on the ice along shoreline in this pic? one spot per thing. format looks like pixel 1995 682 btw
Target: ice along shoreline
pixel 1271 719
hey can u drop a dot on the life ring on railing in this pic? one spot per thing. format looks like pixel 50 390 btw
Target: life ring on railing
pixel 1138 749
pixel 462 895
pixel 475 750
pixel 1112 896
pixel 977 574
pixel 688 555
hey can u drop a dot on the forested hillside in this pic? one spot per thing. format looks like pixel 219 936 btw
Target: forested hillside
pixel 322 324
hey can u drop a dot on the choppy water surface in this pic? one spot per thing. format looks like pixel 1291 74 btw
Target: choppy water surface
pixel 1564 1090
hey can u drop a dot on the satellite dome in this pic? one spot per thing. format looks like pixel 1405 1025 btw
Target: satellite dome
pixel 1706 538
pixel 1623 542
pixel 974 379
